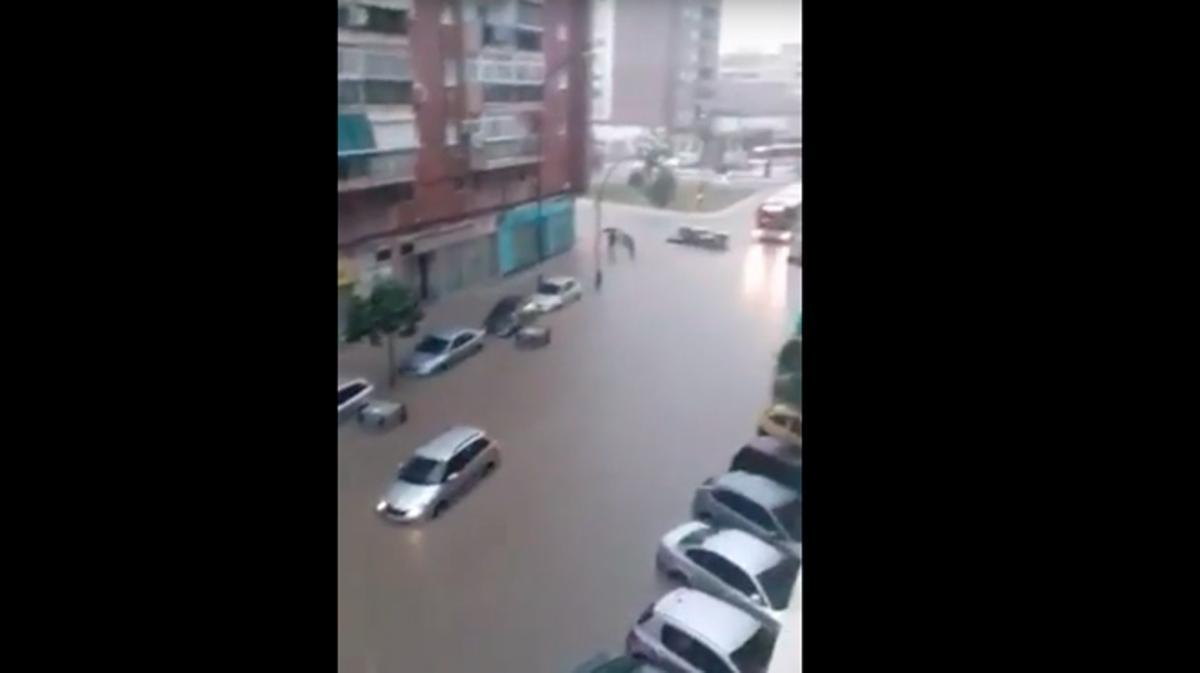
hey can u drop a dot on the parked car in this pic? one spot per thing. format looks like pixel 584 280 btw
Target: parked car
pixel 691 632
pixel 772 458
pixel 732 565
pixel 604 663
pixel 752 503
pixel 352 396
pixel 439 473
pixel 439 350
pixel 781 421
pixel 508 316
pixel 554 293
pixel 702 237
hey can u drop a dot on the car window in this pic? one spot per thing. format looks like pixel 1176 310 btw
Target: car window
pixel 457 463
pixel 724 569
pixel 692 651
pixel 461 339
pixel 747 508
pixel 475 448
pixel 347 392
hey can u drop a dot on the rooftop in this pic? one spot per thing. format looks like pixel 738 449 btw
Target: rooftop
pixel 444 445
pixel 717 622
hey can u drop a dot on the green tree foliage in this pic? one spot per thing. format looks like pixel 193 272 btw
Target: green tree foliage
pixel 390 309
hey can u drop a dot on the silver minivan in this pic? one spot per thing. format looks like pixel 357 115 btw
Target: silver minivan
pixel 439 473
pixel 691 632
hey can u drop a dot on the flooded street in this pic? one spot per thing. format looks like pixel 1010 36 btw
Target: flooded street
pixel 647 388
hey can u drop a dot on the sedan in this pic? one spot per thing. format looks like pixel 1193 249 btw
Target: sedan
pixel 752 503
pixel 439 473
pixel 732 565
pixel 438 351
pixel 555 293
pixel 508 316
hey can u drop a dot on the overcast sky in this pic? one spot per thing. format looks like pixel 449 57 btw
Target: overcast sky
pixel 758 25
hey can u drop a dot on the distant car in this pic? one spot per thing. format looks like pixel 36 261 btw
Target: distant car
pixel 352 396
pixel 781 421
pixel 603 663
pixel 690 631
pixel 508 316
pixel 701 236
pixel 772 458
pixel 554 293
pixel 439 473
pixel 438 351
pixel 753 503
pixel 732 565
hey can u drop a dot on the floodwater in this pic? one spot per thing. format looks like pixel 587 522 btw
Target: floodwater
pixel 648 388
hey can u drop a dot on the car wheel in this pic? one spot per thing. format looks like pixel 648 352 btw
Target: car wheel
pixel 438 509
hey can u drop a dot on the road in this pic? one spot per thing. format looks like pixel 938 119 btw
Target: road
pixel 648 388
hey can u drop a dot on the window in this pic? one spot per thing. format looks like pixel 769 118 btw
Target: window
pixel 456 464
pixel 476 447
pixel 461 340
pixel 748 509
pixel 725 570
pixel 451 133
pixel 374 92
pixel 564 80
pixel 450 75
pixel 529 40
pixel 692 651
pixel 373 19
pixel 447 18
pixel 383 254
pixel 562 32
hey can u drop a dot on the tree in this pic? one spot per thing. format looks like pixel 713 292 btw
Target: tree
pixel 391 309
pixel 787 373
pixel 661 190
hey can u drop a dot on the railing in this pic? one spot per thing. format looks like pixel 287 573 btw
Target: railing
pixel 362 64
pixel 372 168
pixel 498 153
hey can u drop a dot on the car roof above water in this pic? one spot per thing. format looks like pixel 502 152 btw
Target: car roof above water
pixel 446 444
pixel 714 620
pixel 745 550
pixel 756 487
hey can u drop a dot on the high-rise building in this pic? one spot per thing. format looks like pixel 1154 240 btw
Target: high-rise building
pixel 462 134
pixel 655 63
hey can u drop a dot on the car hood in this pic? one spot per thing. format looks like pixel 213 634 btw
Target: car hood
pixel 423 360
pixel 406 496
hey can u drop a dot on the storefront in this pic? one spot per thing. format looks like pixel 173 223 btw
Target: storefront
pixel 531 232
pixel 450 258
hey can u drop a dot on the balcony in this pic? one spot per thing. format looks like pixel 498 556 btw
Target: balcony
pixel 500 153
pixel 365 169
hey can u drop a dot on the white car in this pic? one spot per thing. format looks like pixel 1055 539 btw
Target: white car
pixel 554 293
pixel 352 396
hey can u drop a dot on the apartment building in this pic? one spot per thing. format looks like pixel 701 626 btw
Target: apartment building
pixel 654 65
pixel 462 128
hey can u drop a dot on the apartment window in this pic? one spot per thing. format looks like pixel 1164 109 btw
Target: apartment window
pixel 450 67
pixel 383 254
pixel 562 32
pixel 563 80
pixel 451 133
pixel 373 19
pixel 447 15
pixel 394 134
pixel 562 129
pixel 529 40
pixel 512 93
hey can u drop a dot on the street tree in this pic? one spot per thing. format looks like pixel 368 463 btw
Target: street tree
pixel 390 310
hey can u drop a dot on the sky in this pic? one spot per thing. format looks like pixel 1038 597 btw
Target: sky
pixel 758 25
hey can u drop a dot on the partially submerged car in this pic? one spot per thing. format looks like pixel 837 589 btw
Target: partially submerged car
pixel 701 237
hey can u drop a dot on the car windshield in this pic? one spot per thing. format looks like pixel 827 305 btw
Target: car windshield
pixel 755 654
pixel 349 391
pixel 422 471
pixel 778 581
pixel 789 516
pixel 548 288
pixel 432 345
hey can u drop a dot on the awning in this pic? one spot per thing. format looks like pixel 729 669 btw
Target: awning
pixel 354 133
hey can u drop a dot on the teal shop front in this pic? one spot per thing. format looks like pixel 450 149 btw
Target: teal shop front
pixel 523 238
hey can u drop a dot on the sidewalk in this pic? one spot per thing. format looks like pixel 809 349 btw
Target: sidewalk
pixel 468 308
